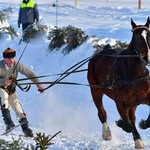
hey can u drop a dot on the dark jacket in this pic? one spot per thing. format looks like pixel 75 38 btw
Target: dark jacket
pixel 28 12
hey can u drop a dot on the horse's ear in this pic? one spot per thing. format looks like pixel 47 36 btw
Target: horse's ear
pixel 133 24
pixel 147 24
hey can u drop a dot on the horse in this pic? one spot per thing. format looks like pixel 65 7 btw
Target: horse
pixel 121 74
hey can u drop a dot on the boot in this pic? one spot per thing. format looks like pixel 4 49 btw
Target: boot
pixel 7 119
pixel 25 127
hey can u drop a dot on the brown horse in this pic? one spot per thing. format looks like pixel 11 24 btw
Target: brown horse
pixel 122 75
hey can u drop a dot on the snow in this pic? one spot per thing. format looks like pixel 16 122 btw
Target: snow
pixel 67 108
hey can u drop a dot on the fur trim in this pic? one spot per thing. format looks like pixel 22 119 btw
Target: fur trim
pixel 9 53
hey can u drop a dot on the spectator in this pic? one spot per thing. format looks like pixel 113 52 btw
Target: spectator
pixel 28 13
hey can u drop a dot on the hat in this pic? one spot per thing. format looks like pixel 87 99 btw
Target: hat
pixel 9 53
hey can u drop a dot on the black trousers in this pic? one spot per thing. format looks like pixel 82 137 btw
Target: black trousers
pixel 25 25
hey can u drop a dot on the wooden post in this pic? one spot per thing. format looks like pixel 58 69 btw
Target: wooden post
pixel 139 4
pixel 76 3
pixel 56 13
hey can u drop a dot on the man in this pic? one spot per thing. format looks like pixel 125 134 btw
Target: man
pixel 8 90
pixel 28 14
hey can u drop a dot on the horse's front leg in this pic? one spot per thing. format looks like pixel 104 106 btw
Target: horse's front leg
pixel 144 124
pixel 136 136
pixel 128 124
pixel 125 122
pixel 97 98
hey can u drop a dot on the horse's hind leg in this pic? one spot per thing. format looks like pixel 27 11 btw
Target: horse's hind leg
pixel 144 124
pixel 97 98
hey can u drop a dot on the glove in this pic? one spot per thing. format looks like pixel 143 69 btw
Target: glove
pixel 19 25
pixel 41 88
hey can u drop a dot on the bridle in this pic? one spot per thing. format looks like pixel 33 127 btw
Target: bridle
pixel 140 27
pixel 146 29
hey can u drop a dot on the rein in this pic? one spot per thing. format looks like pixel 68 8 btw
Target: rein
pixel 69 71
pixel 80 84
pixel 64 75
pixel 27 87
pixel 52 75
pixel 72 69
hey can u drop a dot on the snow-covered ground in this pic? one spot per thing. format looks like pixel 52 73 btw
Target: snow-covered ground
pixel 66 108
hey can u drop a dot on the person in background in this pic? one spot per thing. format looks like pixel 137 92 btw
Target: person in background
pixel 28 13
pixel 8 96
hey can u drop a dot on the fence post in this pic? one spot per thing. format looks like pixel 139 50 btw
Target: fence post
pixel 56 13
pixel 139 4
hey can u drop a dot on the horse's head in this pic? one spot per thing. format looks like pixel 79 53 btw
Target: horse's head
pixel 141 39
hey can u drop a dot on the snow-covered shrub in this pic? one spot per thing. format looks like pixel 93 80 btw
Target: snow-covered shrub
pixel 57 38
pixel 5 14
pixel 16 144
pixel 42 142
pixel 74 37
pixel 33 31
pixel 8 30
pixel 70 36
pixel 121 45
pixel 100 43
pixel 5 27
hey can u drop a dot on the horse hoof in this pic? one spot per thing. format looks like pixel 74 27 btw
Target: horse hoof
pixel 119 123
pixel 106 133
pixel 126 127
pixel 143 124
pixel 139 144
